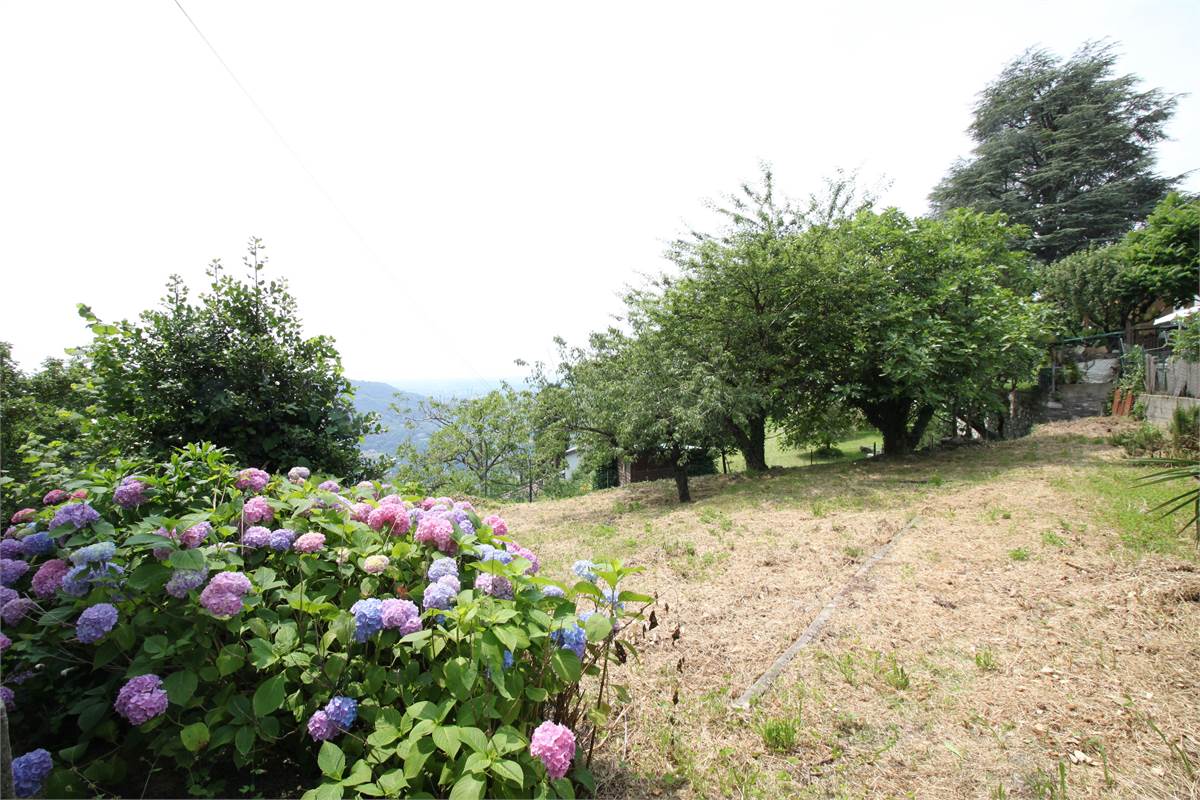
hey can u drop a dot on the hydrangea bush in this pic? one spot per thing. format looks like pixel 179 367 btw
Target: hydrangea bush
pixel 166 621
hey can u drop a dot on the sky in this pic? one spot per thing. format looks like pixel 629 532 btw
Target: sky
pixel 448 186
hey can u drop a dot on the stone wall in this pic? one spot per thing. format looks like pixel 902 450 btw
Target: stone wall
pixel 1160 407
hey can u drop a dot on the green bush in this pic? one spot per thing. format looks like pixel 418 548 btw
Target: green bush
pixel 295 652
pixel 1145 439
pixel 1185 428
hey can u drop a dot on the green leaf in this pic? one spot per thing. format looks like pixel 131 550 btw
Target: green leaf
pixel 536 693
pixel 181 686
pixel 261 653
pixel 195 736
pixel 507 739
pixel 563 788
pixel 634 597
pixel 230 659
pixel 446 738
pixel 244 740
pixel 566 665
pixel 329 791
pixel 269 696
pixel 510 771
pixel 460 677
pixel 359 773
pixel 155 645
pixel 331 760
pixel 477 762
pixel 598 627
pixel 473 738
pixel 468 787
pixel 393 782
pixel 188 559
pixel 422 710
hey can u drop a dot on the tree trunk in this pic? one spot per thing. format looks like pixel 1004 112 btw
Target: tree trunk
pixel 891 418
pixel 924 415
pixel 681 482
pixel 752 441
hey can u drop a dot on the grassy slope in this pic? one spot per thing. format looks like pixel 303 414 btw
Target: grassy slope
pixel 780 456
pixel 1026 618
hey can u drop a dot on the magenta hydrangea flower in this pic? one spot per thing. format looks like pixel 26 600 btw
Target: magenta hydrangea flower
pixel 130 494
pixel 361 512
pixel 95 621
pixel 223 594
pixel 497 525
pixel 22 516
pixel 195 535
pixel 257 509
pixel 373 565
pixel 253 479
pixel 496 585
pixel 401 615
pixel 522 552
pixel 298 474
pixel 438 532
pixel 554 744
pixel 389 518
pixel 54 497
pixel 309 543
pixel 11 570
pixel 256 536
pixel 321 728
pixel 141 699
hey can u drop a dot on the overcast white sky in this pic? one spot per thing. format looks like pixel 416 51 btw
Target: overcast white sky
pixel 508 166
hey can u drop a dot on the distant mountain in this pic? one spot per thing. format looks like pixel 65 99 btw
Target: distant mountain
pixel 378 397
pixel 461 388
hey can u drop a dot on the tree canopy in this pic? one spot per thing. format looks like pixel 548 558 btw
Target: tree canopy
pixel 1065 148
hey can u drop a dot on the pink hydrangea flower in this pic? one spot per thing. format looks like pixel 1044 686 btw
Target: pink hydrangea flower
pixel 436 531
pixel 49 577
pixel 496 524
pixel 309 543
pixel 141 699
pixel 257 509
pixel 374 565
pixel 522 552
pixel 393 500
pixel 253 479
pixel 223 594
pixel 54 497
pixel 554 744
pixel 390 518
pixel 360 512
pixel 401 615
pixel 80 494
pixel 195 535
pixel 24 515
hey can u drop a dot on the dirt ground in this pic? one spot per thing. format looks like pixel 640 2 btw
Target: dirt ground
pixel 1010 644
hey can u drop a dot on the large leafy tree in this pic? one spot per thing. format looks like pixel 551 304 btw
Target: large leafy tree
pixel 1065 148
pixel 926 315
pixel 234 369
pixel 1087 289
pixel 1164 255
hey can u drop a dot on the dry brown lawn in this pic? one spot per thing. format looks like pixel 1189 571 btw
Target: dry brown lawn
pixel 1032 630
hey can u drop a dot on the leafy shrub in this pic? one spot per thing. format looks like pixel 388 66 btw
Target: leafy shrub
pixel 1144 439
pixel 212 622
pixel 1185 428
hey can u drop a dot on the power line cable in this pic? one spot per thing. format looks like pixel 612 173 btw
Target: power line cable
pixel 379 262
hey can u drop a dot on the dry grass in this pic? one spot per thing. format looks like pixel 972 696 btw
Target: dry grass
pixel 956 669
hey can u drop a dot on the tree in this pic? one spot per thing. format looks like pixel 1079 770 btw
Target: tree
pixel 927 315
pixel 1163 257
pixel 482 445
pixel 1064 148
pixel 233 369
pixel 820 426
pixel 729 310
pixel 1088 288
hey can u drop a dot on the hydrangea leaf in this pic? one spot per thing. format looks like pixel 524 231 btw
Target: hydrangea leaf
pixel 269 696
pixel 180 686
pixel 598 627
pixel 331 760
pixel 468 787
pixel 195 736
pixel 509 770
pixel 566 665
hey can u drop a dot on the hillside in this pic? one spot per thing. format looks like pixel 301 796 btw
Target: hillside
pixel 378 397
pixel 1027 629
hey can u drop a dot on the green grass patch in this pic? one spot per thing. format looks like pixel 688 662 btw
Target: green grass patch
pixel 1127 509
pixel 779 456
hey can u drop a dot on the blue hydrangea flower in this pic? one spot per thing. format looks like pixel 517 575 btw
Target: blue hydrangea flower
pixel 12 548
pixel 11 570
pixel 342 710
pixel 76 514
pixel 184 580
pixel 439 595
pixel 553 591
pixel 570 638
pixel 486 552
pixel 281 539
pixel 100 551
pixel 29 771
pixel 95 621
pixel 442 567
pixel 610 597
pixel 368 618
pixel 466 526
pixel 508 659
pixel 585 569
pixel 37 544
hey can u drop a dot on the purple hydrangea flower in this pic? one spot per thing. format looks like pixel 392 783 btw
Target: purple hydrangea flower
pixel 442 567
pixel 5 642
pixel 15 610
pixel 223 594
pixel 257 509
pixel 76 582
pixel 11 548
pixel 521 552
pixel 6 697
pixel 184 580
pixel 195 535
pixel 553 591
pixel 256 536
pixel 570 638
pixel 281 539
pixel 329 486
pixel 439 595
pixel 486 552
pixel 95 621
pixel 585 570
pixel 368 618
pixel 93 553
pixel 7 595
pixel 30 771
pixel 401 615
pixel 252 479
pixel 11 570
pixel 141 699
pixel 298 474
pixel 130 494
pixel 342 711
pixel 76 514
pixel 496 585
pixel 49 577
pixel 321 728
pixel 37 544
pixel 611 598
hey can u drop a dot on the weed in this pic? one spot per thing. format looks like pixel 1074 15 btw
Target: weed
pixel 1019 554
pixel 986 660
pixel 936 480
pixel 779 735
pixel 845 665
pixel 852 552
pixel 1052 539
pixel 896 676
